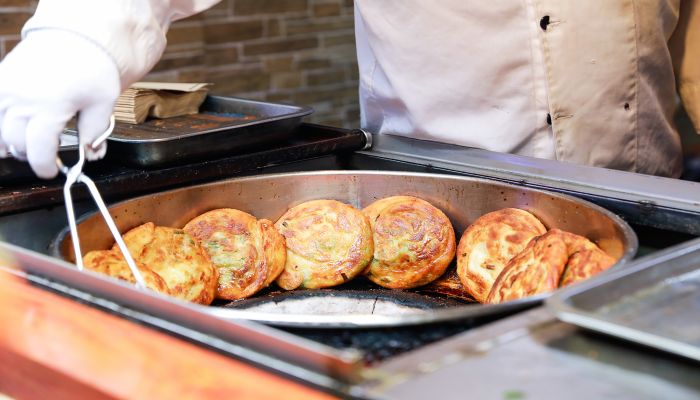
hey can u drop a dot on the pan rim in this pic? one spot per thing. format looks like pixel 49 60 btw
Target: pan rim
pixel 451 314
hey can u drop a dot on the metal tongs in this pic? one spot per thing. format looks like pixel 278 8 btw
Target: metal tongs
pixel 75 174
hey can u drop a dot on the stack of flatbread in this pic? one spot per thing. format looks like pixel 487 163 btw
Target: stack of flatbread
pixel 509 254
pixel 159 100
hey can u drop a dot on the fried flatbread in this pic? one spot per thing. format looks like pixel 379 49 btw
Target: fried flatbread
pixel 489 243
pixel 414 242
pixel 275 250
pixel 177 258
pixel 248 253
pixel 537 269
pixel 137 238
pixel 328 243
pixel 585 258
pixel 112 263
pixel 449 285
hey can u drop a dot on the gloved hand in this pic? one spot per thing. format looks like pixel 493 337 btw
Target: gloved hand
pixel 46 80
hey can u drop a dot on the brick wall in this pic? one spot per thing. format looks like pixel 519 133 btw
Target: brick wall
pixel 13 15
pixel 292 51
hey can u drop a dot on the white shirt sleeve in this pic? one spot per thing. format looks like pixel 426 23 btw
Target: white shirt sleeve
pixel 131 32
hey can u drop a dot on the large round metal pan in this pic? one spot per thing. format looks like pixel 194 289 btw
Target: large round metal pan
pixel 359 303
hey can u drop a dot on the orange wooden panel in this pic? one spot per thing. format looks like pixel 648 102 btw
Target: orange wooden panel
pixel 63 347
pixel 22 378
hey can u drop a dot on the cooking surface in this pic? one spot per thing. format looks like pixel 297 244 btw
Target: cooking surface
pixel 462 199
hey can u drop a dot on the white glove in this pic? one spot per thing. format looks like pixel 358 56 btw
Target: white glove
pixel 46 80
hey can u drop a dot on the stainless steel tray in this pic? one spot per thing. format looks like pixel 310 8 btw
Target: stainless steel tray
pixel 225 125
pixel 463 199
pixel 655 301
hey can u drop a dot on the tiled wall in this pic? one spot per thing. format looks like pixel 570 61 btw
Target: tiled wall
pixel 293 51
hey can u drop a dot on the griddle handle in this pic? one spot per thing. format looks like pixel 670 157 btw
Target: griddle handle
pixel 368 139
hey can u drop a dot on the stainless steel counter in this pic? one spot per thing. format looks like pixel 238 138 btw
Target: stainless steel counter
pixel 533 356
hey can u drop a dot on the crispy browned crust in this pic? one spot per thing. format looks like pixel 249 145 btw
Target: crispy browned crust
pixel 537 269
pixel 248 254
pixel 448 284
pixel 585 258
pixel 182 263
pixel 275 250
pixel 414 242
pixel 328 243
pixel 176 258
pixel 112 263
pixel 137 238
pixel 449 281
pixel 489 243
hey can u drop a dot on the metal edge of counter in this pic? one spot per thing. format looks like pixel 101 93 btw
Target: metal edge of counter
pixel 651 200
pixel 533 355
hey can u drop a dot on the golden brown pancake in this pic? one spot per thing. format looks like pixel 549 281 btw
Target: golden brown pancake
pixel 177 258
pixel 275 250
pixel 248 253
pixel 137 238
pixel 328 243
pixel 585 258
pixel 537 269
pixel 413 242
pixel 112 263
pixel 489 243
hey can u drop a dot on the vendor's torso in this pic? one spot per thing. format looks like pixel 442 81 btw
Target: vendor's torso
pixel 495 74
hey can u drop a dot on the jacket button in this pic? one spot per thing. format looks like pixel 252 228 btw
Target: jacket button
pixel 544 22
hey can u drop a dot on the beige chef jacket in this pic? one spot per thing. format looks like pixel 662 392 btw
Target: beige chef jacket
pixel 492 74
pixel 588 82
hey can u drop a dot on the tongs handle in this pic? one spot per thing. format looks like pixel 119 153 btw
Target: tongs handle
pixel 75 174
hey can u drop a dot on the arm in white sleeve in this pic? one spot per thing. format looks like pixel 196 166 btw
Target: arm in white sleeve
pixel 75 57
pixel 131 32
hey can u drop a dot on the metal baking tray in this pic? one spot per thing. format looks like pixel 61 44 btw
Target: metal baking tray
pixel 224 126
pixel 463 199
pixel 655 301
